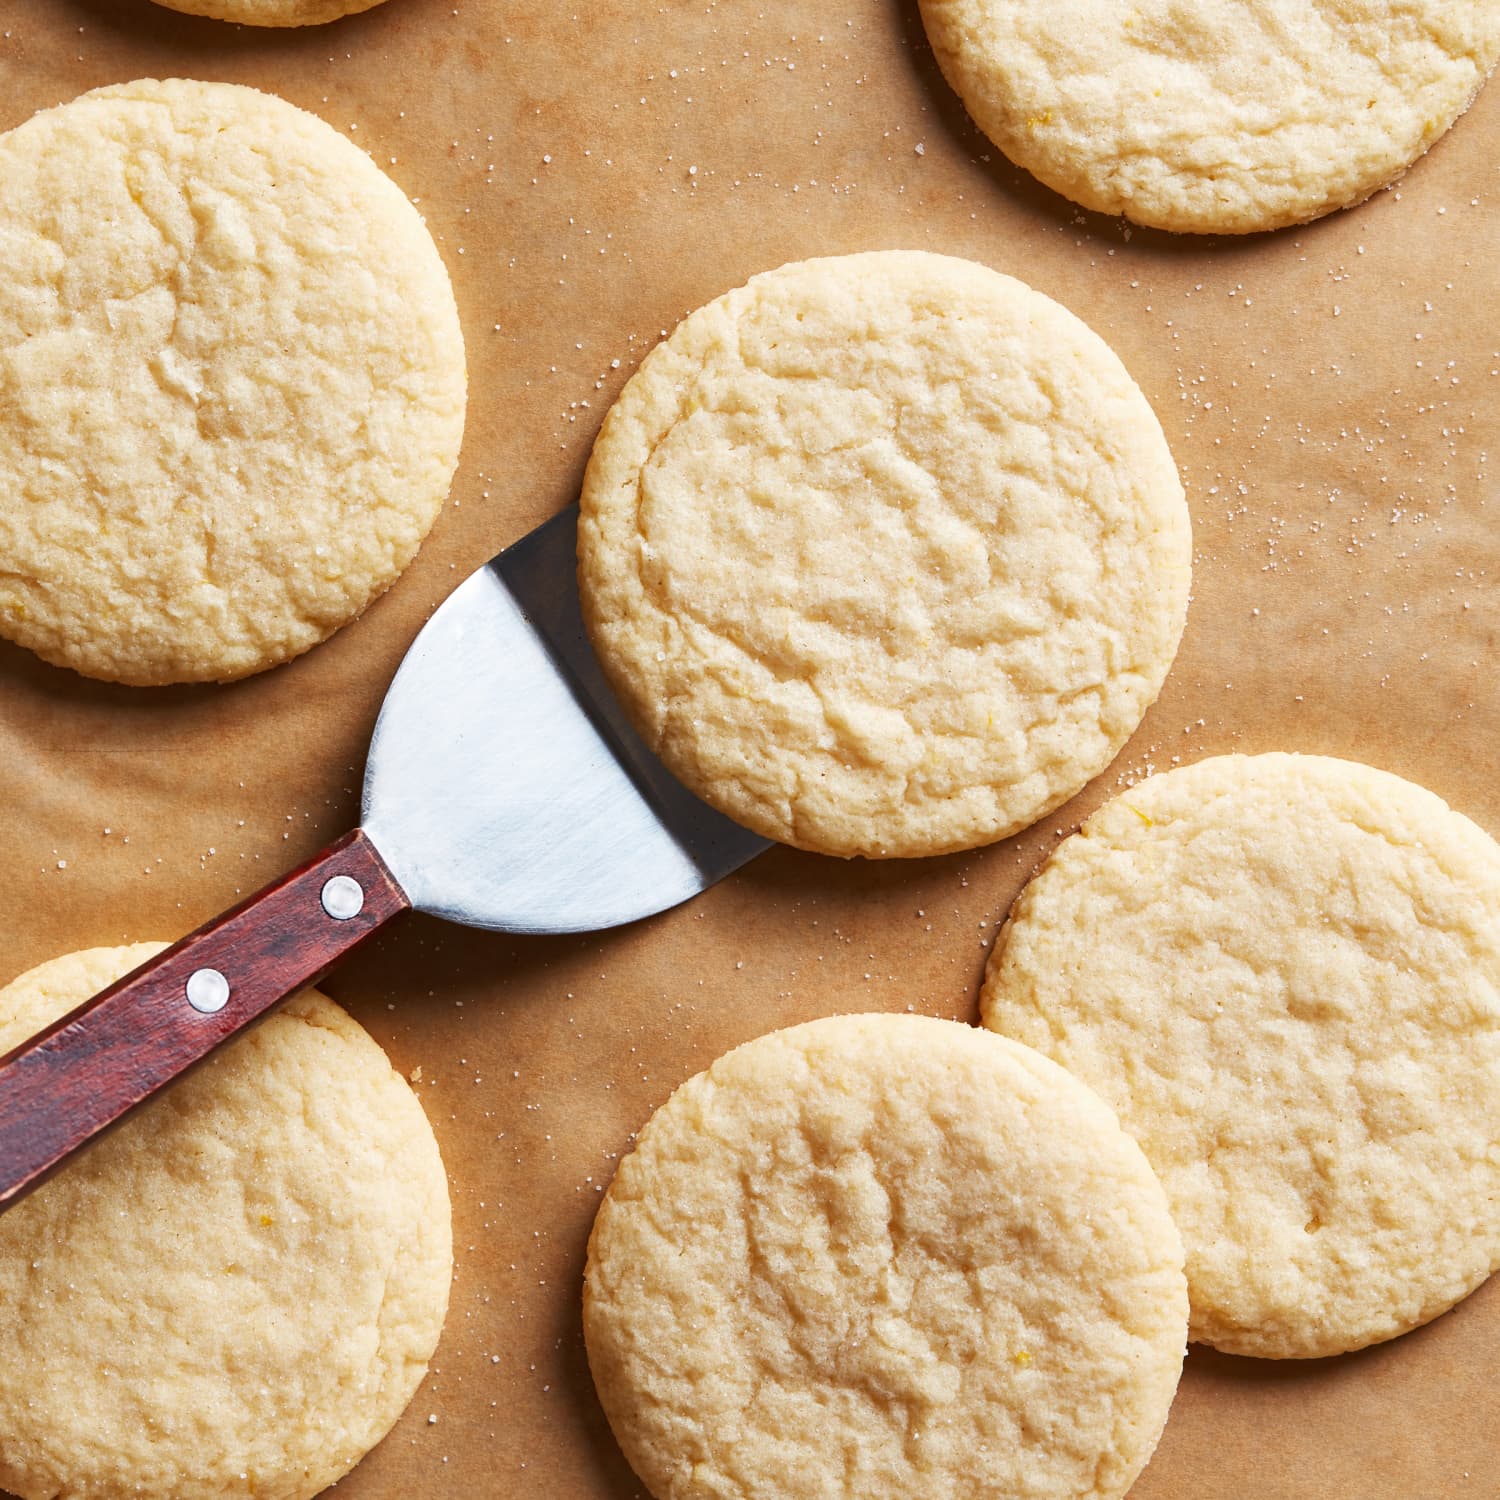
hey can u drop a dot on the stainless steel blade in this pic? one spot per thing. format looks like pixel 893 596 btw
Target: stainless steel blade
pixel 504 787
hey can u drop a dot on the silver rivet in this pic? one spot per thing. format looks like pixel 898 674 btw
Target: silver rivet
pixel 207 990
pixel 343 898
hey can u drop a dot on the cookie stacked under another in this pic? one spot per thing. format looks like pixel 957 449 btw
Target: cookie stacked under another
pixel 1283 971
pixel 884 554
pixel 885 1256
pixel 236 1292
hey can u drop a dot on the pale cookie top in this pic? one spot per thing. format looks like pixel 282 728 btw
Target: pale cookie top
pixel 1284 973
pixel 231 382
pixel 1219 117
pixel 237 1291
pixel 271 12
pixel 887 1257
pixel 884 554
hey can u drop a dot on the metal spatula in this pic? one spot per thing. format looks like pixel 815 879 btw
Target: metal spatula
pixel 503 790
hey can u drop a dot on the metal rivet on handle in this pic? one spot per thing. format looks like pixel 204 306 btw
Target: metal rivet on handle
pixel 207 990
pixel 343 898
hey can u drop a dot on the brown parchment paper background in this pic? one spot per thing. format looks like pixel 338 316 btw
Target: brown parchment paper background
pixel 591 174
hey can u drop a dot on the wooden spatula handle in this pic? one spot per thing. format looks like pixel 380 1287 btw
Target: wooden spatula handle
pixel 89 1069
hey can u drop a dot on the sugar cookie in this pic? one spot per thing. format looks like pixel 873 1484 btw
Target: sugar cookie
pixel 237 1291
pixel 231 382
pixel 1284 973
pixel 885 1256
pixel 1216 118
pixel 884 554
pixel 271 12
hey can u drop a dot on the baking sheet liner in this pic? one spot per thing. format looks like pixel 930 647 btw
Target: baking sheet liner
pixel 1329 392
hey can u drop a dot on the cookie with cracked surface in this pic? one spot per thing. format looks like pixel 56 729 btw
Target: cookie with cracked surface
pixel 271 12
pixel 1220 118
pixel 1284 973
pixel 231 382
pixel 885 1256
pixel 237 1291
pixel 884 554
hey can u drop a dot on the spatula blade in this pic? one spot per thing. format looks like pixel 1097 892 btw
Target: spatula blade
pixel 504 787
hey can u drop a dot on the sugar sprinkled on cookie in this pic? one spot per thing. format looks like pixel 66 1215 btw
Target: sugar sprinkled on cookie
pixel 1284 973
pixel 236 1292
pixel 885 554
pixel 885 1256
pixel 231 382
pixel 1222 117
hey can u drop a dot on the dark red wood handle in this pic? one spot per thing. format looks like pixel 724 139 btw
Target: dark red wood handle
pixel 90 1068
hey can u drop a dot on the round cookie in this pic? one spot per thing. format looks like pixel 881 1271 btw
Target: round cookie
pixel 884 554
pixel 1227 117
pixel 271 12
pixel 1284 973
pixel 236 1292
pixel 885 1256
pixel 231 382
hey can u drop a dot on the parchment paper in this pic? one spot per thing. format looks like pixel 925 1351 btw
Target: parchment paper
pixel 592 174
